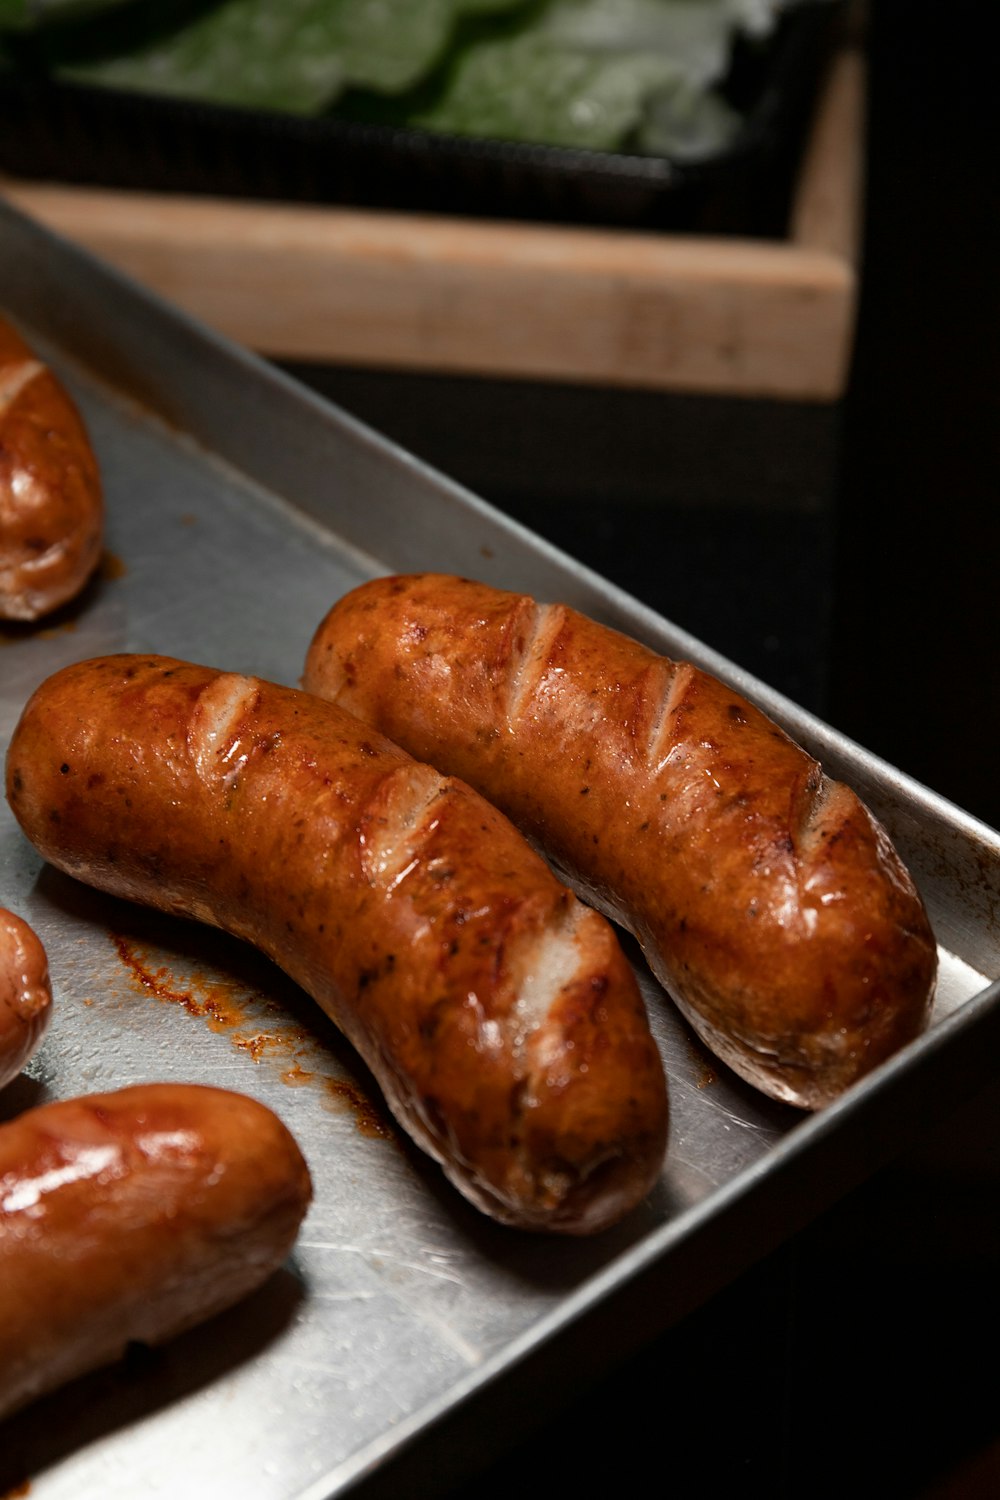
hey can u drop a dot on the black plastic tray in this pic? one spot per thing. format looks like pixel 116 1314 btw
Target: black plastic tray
pixel 82 135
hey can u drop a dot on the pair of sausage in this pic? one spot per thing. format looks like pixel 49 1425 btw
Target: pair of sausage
pixel 51 501
pixel 495 1011
pixel 769 901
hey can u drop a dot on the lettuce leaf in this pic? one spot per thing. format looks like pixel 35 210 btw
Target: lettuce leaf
pixel 295 56
pixel 594 74
pixel 586 73
pixel 531 89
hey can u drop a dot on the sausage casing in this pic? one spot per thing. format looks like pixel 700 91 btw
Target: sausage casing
pixel 25 994
pixel 768 900
pixel 131 1216
pixel 498 1013
pixel 51 500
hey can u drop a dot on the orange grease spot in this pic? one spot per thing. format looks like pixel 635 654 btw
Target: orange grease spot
pixel 296 1076
pixel 111 566
pixel 706 1071
pixel 220 1005
pixel 367 1118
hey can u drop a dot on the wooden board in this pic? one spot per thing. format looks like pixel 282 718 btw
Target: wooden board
pixel 412 292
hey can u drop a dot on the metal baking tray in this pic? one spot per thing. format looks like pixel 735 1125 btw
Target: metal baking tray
pixel 239 506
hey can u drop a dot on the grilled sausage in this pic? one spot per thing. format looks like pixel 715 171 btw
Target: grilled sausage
pixel 498 1014
pixel 768 900
pixel 25 994
pixel 130 1217
pixel 51 501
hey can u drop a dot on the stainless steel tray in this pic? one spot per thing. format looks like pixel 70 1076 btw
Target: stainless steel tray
pixel 240 506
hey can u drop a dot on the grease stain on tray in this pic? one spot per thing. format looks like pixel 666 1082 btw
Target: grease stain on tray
pixel 224 1005
pixel 706 1074
pixel 111 566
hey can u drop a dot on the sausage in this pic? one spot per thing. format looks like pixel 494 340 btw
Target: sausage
pixel 768 900
pixel 498 1014
pixel 51 497
pixel 25 994
pixel 131 1216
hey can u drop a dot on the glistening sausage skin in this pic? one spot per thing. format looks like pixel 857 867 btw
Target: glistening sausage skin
pixel 768 900
pixel 498 1013
pixel 131 1216
pixel 25 994
pixel 51 498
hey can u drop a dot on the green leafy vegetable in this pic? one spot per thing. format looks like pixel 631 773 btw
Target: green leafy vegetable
pixel 291 55
pixel 606 75
pixel 528 88
pixel 695 34
pixel 593 74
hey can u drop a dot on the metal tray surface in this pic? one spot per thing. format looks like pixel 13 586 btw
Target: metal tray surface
pixel 239 506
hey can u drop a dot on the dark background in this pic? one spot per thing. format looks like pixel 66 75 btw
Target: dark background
pixel 847 555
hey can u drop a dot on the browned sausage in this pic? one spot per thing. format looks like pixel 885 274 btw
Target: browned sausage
pixel 498 1014
pixel 131 1216
pixel 25 994
pixel 769 902
pixel 51 502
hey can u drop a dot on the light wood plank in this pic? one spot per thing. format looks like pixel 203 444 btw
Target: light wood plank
pixel 826 214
